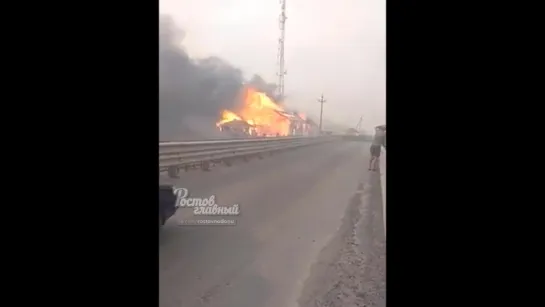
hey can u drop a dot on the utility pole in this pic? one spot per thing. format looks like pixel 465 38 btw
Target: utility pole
pixel 358 126
pixel 321 101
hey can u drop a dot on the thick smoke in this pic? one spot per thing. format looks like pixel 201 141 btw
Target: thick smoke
pixel 192 92
pixel 261 85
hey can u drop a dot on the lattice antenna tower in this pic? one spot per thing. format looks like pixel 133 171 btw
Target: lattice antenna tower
pixel 281 69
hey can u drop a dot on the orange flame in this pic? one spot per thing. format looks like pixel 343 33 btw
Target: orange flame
pixel 227 116
pixel 261 112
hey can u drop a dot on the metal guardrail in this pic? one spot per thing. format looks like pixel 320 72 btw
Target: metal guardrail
pixel 174 156
pixel 382 167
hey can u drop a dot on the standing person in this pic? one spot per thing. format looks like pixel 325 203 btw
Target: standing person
pixel 378 141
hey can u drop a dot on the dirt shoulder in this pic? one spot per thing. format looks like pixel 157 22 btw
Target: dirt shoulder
pixel 351 269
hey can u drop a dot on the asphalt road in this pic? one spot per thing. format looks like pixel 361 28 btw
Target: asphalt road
pixel 292 206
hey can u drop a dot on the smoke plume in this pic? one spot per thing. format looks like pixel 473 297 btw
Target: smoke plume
pixel 192 92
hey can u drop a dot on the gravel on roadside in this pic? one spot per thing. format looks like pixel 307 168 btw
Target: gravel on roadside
pixel 351 270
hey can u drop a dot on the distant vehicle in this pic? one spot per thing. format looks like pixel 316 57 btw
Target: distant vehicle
pixel 167 203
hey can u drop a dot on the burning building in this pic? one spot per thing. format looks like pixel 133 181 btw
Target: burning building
pixel 237 128
pixel 301 125
pixel 261 114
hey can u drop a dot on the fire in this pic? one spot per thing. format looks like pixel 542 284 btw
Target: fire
pixel 227 116
pixel 261 112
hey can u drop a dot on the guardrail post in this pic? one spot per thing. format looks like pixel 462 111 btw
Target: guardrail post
pixel 173 172
pixel 205 166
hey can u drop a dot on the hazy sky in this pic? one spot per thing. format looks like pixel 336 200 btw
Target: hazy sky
pixel 335 47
